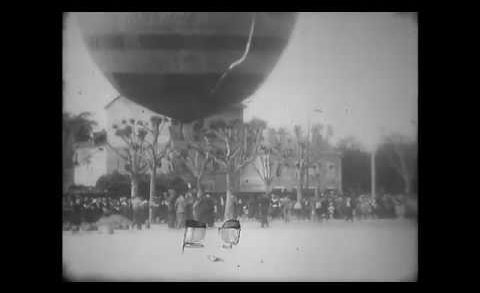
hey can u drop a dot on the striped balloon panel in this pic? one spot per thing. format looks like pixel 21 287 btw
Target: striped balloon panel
pixel 172 62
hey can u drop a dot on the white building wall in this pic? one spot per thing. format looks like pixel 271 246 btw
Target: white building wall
pixel 88 171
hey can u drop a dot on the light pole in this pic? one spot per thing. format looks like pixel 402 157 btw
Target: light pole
pixel 372 167
pixel 309 136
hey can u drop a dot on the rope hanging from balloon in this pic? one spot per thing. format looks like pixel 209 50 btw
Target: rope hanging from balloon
pixel 242 58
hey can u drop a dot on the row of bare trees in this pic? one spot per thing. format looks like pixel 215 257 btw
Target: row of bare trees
pixel 396 163
pixel 228 146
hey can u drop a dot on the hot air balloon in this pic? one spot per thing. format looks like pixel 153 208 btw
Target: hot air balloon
pixel 186 65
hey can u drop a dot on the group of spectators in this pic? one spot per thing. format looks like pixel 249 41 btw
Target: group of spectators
pixel 78 210
pixel 328 205
pixel 170 208
pixel 175 208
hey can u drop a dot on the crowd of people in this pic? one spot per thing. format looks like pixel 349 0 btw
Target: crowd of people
pixel 173 208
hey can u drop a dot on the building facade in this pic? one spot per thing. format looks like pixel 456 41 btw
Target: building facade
pixel 327 174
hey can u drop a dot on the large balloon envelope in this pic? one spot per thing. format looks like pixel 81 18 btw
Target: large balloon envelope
pixel 177 63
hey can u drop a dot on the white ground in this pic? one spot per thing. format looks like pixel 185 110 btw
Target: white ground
pixel 370 250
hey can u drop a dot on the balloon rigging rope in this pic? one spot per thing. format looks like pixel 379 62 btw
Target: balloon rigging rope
pixel 242 58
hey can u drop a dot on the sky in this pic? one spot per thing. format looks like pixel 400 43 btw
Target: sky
pixel 359 69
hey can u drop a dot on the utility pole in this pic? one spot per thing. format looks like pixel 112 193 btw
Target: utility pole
pixel 373 172
pixel 307 173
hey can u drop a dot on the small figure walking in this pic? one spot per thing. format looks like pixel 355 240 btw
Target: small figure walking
pixel 264 207
pixel 331 210
pixel 349 209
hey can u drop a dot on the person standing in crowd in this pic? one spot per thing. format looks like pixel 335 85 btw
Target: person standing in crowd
pixel 144 219
pixel 286 208
pixel 222 206
pixel 390 206
pixel 106 209
pixel 304 212
pixel 324 208
pixel 331 209
pixel 153 207
pixel 89 213
pixel 137 212
pixel 99 207
pixel 188 206
pixel 399 201
pixel 276 207
pixel 348 209
pixel 180 211
pixel 297 207
pixel 238 208
pixel 115 206
pixel 234 206
pixel 215 209
pixel 67 211
pixel 318 209
pixel 156 209
pixel 264 206
pixel 338 202
pixel 245 210
pixel 210 212
pixel 202 209
pixel 251 208
pixel 171 208
pixel 195 213
pixel 164 208
pixel 124 208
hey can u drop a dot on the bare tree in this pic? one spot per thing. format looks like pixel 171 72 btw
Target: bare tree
pixel 299 155
pixel 235 145
pixel 133 151
pixel 317 145
pixel 271 157
pixel 402 155
pixel 154 152
pixel 195 156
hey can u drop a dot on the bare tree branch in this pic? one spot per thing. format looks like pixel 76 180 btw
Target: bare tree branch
pixel 117 151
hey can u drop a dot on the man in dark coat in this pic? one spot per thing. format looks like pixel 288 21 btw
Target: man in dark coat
pixel 180 211
pixel 164 208
pixel 137 213
pixel 348 209
pixel 125 208
pixel 202 209
pixel 238 207
pixel 171 208
pixel 210 211
pixel 264 206
pixel 76 214
pixel 189 199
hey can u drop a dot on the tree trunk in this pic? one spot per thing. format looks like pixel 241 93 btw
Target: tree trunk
pixel 153 175
pixel 133 192
pixel 268 188
pixel 199 187
pixel 316 193
pixel 299 185
pixel 407 184
pixel 229 208
pixel 133 187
